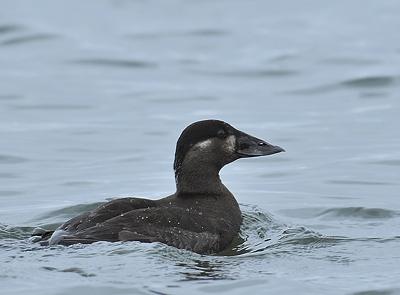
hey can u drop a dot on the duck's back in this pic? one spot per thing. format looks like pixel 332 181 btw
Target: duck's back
pixel 197 224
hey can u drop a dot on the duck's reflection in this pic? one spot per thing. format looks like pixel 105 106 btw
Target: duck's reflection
pixel 204 270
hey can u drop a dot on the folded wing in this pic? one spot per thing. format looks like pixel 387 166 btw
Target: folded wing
pixel 153 224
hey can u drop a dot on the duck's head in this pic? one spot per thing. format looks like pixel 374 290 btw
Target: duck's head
pixel 213 144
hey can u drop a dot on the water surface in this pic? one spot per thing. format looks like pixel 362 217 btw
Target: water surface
pixel 94 95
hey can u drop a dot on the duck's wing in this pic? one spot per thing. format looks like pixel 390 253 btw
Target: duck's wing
pixel 98 215
pixel 105 212
pixel 169 225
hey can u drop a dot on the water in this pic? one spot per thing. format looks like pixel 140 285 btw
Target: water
pixel 94 95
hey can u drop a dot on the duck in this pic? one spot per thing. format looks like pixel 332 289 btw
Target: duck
pixel 202 216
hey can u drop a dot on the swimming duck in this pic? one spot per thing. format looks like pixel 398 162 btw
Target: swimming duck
pixel 202 215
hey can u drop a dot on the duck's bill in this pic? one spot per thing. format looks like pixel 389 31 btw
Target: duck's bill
pixel 250 146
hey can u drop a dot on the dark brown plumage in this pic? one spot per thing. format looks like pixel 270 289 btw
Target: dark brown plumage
pixel 202 216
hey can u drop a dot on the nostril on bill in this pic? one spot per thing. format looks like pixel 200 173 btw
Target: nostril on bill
pixel 262 143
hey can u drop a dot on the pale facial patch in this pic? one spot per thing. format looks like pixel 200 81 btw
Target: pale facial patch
pixel 230 143
pixel 203 144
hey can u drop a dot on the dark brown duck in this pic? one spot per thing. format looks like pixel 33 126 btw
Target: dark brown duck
pixel 202 215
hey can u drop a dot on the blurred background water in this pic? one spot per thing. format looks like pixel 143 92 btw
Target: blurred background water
pixel 94 94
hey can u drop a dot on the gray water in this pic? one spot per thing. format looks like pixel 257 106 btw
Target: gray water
pixel 94 94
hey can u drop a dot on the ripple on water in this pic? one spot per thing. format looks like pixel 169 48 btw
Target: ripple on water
pixel 378 292
pixel 76 270
pixel 388 162
pixel 28 39
pixel 360 182
pixel 262 235
pixel 351 61
pixel 4 193
pixel 213 33
pixel 341 212
pixel 196 269
pixel 78 183
pixel 182 99
pixel 369 82
pixel 317 89
pixel 9 28
pixel 7 175
pixel 373 94
pixel 251 73
pixel 359 212
pixel 67 212
pixel 9 159
pixel 51 107
pixel 207 33
pixel 10 97
pixel 10 232
pixel 115 63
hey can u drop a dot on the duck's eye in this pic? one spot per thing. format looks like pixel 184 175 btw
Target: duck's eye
pixel 221 133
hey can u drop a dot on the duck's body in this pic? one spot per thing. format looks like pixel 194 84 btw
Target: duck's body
pixel 198 223
pixel 202 216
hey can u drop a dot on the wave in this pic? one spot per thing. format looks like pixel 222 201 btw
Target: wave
pixel 66 212
pixel 9 28
pixel 28 39
pixel 178 34
pixel 261 234
pixel 359 212
pixel 368 82
pixel 115 63
pixel 251 73
pixel 342 212
pixel 10 232
pixel 372 81
pixel 10 159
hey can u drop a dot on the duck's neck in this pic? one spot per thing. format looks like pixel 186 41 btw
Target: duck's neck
pixel 198 180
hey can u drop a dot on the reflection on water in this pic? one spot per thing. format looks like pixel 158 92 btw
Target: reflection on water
pixel 204 270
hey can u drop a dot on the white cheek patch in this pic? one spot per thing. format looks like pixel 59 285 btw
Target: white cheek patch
pixel 203 144
pixel 230 143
